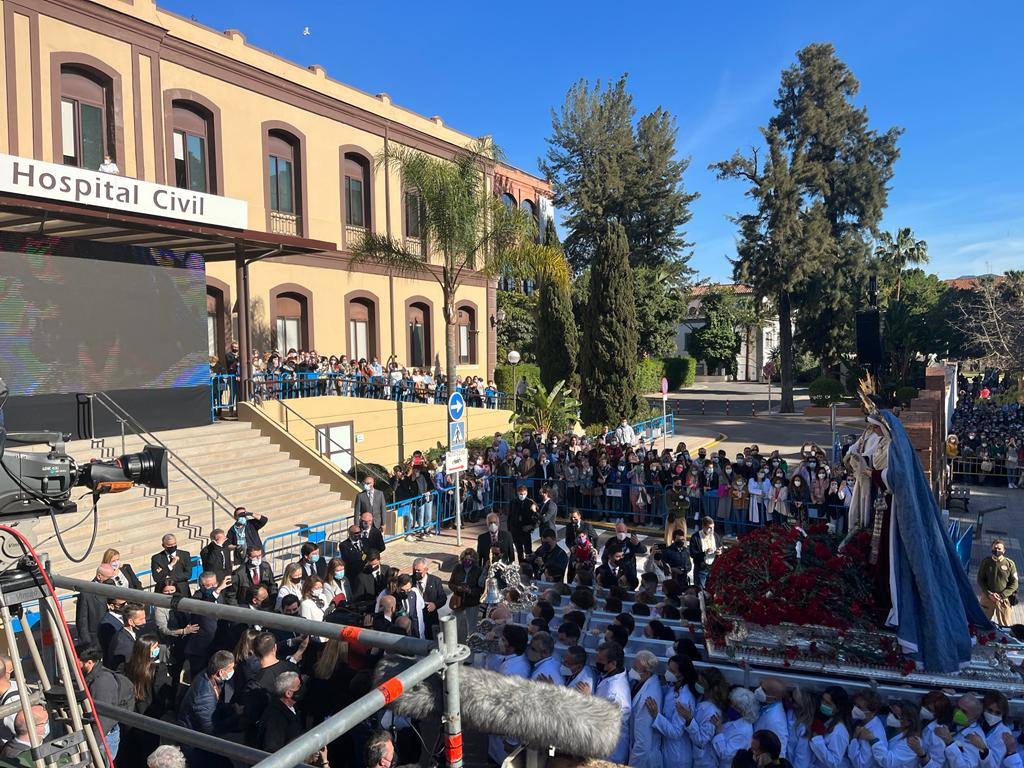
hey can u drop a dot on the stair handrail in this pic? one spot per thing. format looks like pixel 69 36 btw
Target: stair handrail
pixel 213 494
pixel 318 431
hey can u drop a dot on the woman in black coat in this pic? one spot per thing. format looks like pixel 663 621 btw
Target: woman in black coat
pixel 154 697
pixel 124 575
pixel 466 585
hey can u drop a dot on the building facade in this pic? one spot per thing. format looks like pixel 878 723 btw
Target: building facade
pixel 175 103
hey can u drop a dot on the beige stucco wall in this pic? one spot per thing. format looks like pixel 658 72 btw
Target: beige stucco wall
pixel 384 432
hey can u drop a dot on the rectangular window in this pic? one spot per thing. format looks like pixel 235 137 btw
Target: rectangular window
pixel 68 129
pixel 196 146
pixel 359 334
pixel 91 131
pixel 464 356
pixel 288 334
pixel 180 166
pixel 354 214
pixel 282 196
pixel 412 214
pixel 211 334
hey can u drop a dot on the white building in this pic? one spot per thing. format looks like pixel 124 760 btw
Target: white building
pixel 756 342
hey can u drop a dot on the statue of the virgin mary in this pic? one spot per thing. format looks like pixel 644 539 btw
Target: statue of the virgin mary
pixel 933 604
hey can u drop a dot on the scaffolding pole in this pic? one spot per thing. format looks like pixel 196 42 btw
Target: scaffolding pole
pixel 187 736
pixel 411 646
pixel 319 736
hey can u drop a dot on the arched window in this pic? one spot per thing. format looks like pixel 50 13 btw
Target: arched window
pixel 413 214
pixel 466 320
pixel 291 322
pixel 530 208
pixel 284 180
pixel 193 147
pixel 509 201
pixel 357 191
pixel 86 117
pixel 361 312
pixel 417 316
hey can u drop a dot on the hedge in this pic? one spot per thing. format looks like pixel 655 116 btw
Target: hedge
pixel 825 391
pixel 678 370
pixel 506 382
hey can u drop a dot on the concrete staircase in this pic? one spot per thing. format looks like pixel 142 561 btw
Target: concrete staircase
pixel 232 456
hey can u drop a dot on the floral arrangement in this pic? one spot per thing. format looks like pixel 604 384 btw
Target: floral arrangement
pixel 780 574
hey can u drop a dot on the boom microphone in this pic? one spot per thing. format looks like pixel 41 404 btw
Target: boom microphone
pixel 540 715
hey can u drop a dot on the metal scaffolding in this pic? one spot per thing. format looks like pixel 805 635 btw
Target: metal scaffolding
pixel 442 657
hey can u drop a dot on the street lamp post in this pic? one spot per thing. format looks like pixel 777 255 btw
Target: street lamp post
pixel 513 360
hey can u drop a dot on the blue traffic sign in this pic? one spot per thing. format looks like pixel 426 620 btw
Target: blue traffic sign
pixel 456 406
pixel 456 435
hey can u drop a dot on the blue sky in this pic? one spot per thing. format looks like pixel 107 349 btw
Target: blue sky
pixel 946 72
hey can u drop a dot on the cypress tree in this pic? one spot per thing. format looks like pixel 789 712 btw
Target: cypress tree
pixel 557 343
pixel 609 389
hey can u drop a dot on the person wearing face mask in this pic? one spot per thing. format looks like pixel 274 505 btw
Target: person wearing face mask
pixel 337 587
pixel 254 571
pixel 408 602
pixel 803 716
pixel 371 500
pixel 678 691
pixel 869 729
pixel 245 532
pixel 705 545
pixel 676 558
pixel 172 563
pixel 613 684
pixel 154 692
pixel 644 739
pixel 18 746
pixel 770 694
pixel 831 740
pixel 431 593
pixel 758 487
pixel 197 645
pixel 511 662
pixel 218 556
pixel 310 560
pixel 734 731
pixel 577 674
pixel 713 693
pixel 777 506
pixel 902 749
pixel 494 536
pixel 352 550
pixel 466 586
pixel 935 710
pixel 996 711
pixel 120 648
pixel 966 748
pixel 205 707
pixel 997 580
pixel 370 535
pixel 799 499
pixel 522 521
pixel 314 602
pixel 124 575
pixel 291 584
pixel 546 668
pixel 819 492
pixel 281 722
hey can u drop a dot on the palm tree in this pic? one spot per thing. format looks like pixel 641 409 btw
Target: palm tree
pixel 463 228
pixel 547 412
pixel 900 251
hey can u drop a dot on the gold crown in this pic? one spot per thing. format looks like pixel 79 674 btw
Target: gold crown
pixel 866 388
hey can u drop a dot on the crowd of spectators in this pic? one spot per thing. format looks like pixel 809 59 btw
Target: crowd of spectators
pixel 986 443
pixel 306 373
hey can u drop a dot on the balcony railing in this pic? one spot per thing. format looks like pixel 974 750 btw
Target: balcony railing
pixel 283 223
pixel 353 236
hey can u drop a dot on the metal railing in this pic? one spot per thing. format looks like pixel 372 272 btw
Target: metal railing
pixel 284 223
pixel 216 498
pixel 652 429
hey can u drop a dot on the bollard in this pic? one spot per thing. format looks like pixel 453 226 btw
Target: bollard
pixel 726 407
pixel 753 408
pixel 701 407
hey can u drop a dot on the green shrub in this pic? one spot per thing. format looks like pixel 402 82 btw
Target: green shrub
pixel 825 391
pixel 680 372
pixel 506 382
pixel 905 394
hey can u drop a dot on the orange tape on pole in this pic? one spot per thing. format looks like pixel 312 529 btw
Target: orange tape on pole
pixel 453 747
pixel 391 689
pixel 350 634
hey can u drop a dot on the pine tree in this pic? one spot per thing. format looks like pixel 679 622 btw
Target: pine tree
pixel 610 338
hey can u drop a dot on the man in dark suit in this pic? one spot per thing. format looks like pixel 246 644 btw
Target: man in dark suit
pixel 353 552
pixel 615 571
pixel 198 645
pixel 549 557
pixel 311 562
pixel 110 624
pixel 522 520
pixel 629 544
pixel 172 563
pixel 122 644
pixel 280 723
pixel 373 579
pixel 218 555
pixel 371 500
pixel 575 527
pixel 245 532
pixel 431 589
pixel 89 609
pixel 494 537
pixel 370 534
pixel 548 509
pixel 253 572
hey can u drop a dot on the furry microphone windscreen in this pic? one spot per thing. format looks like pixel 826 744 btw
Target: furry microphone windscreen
pixel 540 715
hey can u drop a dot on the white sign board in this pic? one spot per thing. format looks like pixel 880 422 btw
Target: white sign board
pixel 66 183
pixel 456 461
